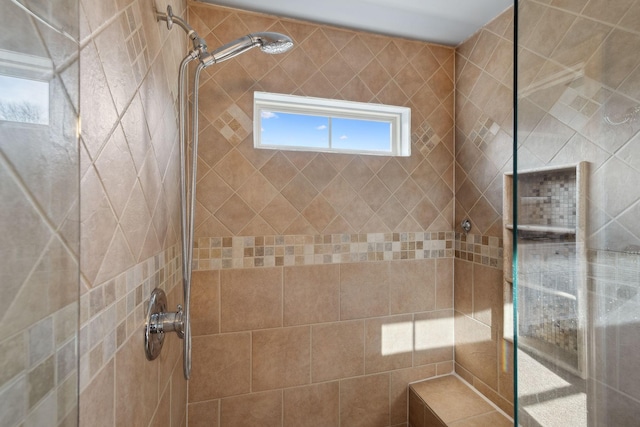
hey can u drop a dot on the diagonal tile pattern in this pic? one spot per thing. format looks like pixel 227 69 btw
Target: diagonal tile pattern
pixel 576 101
pixel 318 192
pixel 483 103
pixel 130 174
pixel 130 212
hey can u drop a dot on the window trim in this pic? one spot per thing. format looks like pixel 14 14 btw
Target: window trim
pixel 398 117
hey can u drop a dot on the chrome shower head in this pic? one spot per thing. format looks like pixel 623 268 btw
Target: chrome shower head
pixel 271 43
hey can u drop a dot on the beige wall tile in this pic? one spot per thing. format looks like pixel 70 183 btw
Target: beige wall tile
pixel 312 406
pixel 263 409
pixel 388 343
pixel 97 401
pixel 444 368
pixel 136 382
pixel 364 290
pixel 221 366
pixel 311 294
pixel 434 337
pixel 278 171
pixel 412 286
pixel 250 299
pixel 476 349
pixel 205 303
pixel 416 410
pixel 204 414
pixel 12 360
pixel 487 295
pixel 444 283
pixel 280 358
pixel 368 409
pixel 506 373
pixel 162 416
pixel 178 396
pixel 463 289
pixel 235 214
pixel 337 350
pixel 300 192
pixel 399 386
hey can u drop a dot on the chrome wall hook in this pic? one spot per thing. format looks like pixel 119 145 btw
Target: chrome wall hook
pixel 466 226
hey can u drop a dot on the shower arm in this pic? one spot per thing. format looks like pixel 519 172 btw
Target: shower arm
pixel 199 44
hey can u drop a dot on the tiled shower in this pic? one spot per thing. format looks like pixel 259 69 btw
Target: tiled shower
pixel 323 283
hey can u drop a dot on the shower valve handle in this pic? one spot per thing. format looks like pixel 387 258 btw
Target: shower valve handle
pixel 159 321
pixel 168 322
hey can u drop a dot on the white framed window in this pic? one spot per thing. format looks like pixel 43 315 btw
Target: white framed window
pixel 301 123
pixel 24 88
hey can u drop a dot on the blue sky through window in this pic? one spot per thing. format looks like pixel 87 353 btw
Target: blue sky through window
pixel 294 130
pixel 300 130
pixel 367 135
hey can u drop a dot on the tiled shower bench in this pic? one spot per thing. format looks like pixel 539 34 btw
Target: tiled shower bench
pixel 449 401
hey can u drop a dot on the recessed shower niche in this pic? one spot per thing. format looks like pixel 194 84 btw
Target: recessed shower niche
pixel 551 268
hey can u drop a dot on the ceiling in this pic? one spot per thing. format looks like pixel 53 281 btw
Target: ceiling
pixel 447 22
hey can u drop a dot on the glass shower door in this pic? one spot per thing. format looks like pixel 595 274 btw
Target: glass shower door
pixel 39 189
pixel 577 208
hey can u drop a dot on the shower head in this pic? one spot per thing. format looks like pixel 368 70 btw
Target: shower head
pixel 271 43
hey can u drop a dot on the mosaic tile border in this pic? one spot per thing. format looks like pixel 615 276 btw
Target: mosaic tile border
pixel 215 253
pixel 121 301
pixel 46 349
pixel 485 250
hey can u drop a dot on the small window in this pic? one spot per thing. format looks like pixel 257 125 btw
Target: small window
pixel 24 100
pixel 288 122
pixel 24 88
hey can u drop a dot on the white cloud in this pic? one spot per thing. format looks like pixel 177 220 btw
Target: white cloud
pixel 268 115
pixel 344 137
pixel 321 127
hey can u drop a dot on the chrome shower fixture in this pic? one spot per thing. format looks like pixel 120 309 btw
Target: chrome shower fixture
pixel 272 43
pixel 198 43
pixel 158 320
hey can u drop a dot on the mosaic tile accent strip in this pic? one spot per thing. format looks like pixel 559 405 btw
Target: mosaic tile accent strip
pixel 121 301
pixel 214 253
pixel 131 23
pixel 485 250
pixel 40 362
